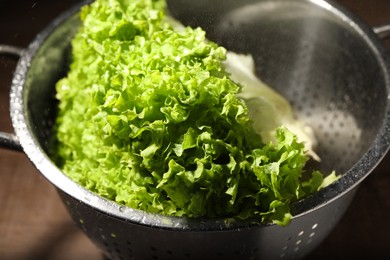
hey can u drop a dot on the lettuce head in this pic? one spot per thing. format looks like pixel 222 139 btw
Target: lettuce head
pixel 150 118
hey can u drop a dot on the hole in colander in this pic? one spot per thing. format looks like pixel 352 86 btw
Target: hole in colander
pixel 296 246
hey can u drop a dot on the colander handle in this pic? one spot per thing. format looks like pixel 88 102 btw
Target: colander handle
pixel 9 140
pixel 382 31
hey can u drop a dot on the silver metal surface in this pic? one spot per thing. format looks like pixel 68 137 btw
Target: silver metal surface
pixel 383 31
pixel 332 67
pixel 10 50
pixel 9 140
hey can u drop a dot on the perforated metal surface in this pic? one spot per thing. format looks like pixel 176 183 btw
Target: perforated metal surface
pixel 121 239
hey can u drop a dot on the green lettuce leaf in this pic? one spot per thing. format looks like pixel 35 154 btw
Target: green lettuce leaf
pixel 149 118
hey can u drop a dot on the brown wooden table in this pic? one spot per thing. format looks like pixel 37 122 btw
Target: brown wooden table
pixel 35 225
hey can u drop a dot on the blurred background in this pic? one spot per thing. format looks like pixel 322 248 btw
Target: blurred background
pixel 35 225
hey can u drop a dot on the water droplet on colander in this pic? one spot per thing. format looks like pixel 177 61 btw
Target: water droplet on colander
pixel 122 208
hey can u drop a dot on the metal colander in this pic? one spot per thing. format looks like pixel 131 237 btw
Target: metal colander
pixel 329 64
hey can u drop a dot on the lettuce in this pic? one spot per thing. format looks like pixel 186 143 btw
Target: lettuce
pixel 150 118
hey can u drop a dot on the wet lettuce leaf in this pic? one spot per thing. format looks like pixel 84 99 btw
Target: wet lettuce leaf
pixel 149 118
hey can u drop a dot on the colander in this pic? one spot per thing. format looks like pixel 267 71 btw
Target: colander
pixel 330 65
